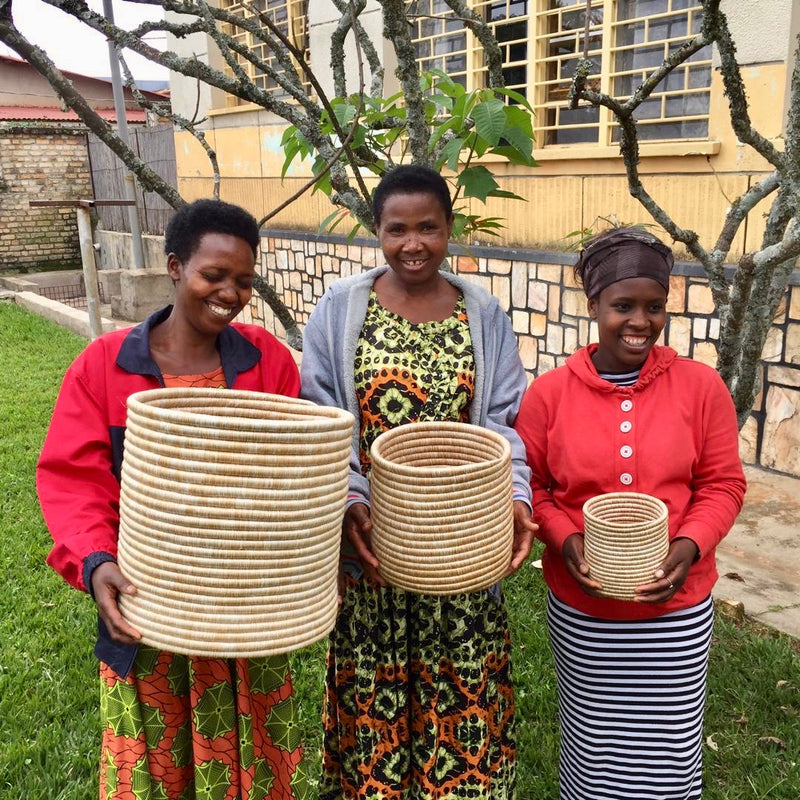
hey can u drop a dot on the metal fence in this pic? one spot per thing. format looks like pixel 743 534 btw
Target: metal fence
pixel 156 147
pixel 70 294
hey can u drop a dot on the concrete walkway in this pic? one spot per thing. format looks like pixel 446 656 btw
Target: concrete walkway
pixel 759 560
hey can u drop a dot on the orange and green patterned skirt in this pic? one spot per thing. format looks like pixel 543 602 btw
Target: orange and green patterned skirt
pixel 181 727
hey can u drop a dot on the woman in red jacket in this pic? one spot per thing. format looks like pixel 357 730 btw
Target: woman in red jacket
pixel 626 414
pixel 174 726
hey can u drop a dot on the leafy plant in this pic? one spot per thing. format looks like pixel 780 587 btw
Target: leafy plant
pixel 465 127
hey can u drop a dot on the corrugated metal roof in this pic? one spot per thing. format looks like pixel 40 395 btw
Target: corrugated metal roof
pixel 57 115
pixel 153 95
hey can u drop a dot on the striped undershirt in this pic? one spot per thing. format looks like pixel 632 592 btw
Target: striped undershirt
pixel 621 378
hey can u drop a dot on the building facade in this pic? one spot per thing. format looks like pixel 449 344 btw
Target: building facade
pixel 691 162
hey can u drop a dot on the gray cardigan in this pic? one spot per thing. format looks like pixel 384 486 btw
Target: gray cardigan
pixel 329 349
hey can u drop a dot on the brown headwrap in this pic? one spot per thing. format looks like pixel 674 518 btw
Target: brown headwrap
pixel 624 253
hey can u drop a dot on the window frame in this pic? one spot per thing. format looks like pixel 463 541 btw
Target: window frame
pixel 537 82
pixel 297 25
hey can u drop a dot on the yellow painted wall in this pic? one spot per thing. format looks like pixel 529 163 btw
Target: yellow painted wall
pixel 694 182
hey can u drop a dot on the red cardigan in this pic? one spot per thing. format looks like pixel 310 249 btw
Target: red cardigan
pixel 672 435
pixel 78 472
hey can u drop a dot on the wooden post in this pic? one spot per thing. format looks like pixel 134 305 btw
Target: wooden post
pixel 89 271
pixel 87 251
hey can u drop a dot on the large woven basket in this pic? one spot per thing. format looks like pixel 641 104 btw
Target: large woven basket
pixel 231 506
pixel 441 507
pixel 626 538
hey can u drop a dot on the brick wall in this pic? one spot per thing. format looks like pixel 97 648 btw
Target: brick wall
pixel 39 163
pixel 548 314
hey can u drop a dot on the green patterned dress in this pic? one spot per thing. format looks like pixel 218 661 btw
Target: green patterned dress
pixel 419 702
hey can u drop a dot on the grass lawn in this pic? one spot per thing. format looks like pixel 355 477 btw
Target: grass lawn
pixel 48 687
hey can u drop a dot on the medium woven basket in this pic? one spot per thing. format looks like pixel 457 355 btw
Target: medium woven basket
pixel 231 506
pixel 626 538
pixel 442 516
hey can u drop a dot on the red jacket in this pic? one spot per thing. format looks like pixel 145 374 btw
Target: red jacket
pixel 672 435
pixel 78 473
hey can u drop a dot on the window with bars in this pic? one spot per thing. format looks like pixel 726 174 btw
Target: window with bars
pixel 291 18
pixel 541 42
pixel 443 43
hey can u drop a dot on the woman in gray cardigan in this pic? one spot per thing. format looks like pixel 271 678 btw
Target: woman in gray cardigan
pixel 418 700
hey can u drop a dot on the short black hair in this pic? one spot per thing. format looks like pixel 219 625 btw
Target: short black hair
pixel 410 179
pixel 192 221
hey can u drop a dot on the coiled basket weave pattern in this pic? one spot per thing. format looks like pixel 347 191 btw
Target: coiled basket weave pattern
pixel 230 520
pixel 442 514
pixel 626 538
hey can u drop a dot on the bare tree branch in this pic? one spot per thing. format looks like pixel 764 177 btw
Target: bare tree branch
pixel 166 111
pixel 682 54
pixel 739 210
pixel 293 336
pixel 349 21
pixel 362 208
pixel 483 33
pixel 395 29
pixel 715 26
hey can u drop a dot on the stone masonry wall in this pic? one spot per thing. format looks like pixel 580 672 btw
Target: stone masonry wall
pixel 548 314
pixel 41 164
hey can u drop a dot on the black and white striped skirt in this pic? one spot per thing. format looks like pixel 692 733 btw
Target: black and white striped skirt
pixel 631 695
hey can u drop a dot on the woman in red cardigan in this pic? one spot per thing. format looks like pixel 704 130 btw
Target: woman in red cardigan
pixel 626 414
pixel 173 726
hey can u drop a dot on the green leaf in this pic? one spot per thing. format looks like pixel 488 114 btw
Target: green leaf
pixel 459 222
pixel 513 155
pixel 359 137
pixel 490 119
pixel 450 154
pixel 491 222
pixel 484 229
pixel 519 120
pixel 344 112
pixel 453 123
pixel 441 100
pixel 352 235
pixel 289 152
pixel 323 226
pixel 516 97
pixel 343 214
pixel 323 183
pixel 446 85
pixel 288 135
pixel 479 145
pixel 477 182
pixel 505 193
pixel 394 134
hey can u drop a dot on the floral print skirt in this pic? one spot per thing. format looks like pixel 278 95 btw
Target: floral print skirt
pixel 181 727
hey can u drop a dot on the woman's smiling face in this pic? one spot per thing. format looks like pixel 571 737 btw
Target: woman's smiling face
pixel 413 232
pixel 215 283
pixel 630 316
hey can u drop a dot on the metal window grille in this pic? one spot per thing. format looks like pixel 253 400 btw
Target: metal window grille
pixel 644 33
pixel 291 17
pixel 443 43
pixel 541 41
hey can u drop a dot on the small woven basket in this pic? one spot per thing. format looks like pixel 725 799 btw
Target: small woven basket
pixel 626 537
pixel 231 505
pixel 442 516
